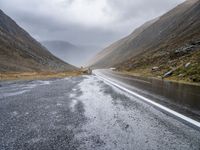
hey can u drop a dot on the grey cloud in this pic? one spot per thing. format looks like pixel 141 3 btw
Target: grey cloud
pixel 130 9
pixel 46 28
pixel 47 24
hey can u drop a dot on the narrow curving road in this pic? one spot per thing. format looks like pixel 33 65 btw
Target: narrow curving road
pixel 85 113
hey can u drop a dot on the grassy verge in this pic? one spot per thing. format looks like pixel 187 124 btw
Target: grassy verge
pixel 147 74
pixel 37 75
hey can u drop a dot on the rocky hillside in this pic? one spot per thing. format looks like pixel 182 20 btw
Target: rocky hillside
pixel 168 47
pixel 20 52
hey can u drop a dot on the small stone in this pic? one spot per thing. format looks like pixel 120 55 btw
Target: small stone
pixel 169 73
pixel 187 65
pixel 155 68
pixel 180 75
pixel 126 127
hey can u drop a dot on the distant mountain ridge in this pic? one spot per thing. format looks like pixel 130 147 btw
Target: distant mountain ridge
pixel 74 54
pixel 20 52
pixel 54 44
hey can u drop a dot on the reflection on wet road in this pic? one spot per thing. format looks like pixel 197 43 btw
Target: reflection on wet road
pixel 85 113
pixel 183 98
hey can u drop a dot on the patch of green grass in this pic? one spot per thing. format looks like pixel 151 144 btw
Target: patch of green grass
pixel 143 67
pixel 191 73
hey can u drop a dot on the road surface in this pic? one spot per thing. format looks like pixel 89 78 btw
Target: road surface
pixel 183 98
pixel 85 113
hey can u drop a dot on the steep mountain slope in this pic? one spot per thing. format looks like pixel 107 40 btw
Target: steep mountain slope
pixel 76 55
pixel 154 35
pixel 168 47
pixel 118 51
pixel 20 52
pixel 174 52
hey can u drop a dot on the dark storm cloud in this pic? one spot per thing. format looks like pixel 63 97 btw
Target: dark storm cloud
pixel 96 22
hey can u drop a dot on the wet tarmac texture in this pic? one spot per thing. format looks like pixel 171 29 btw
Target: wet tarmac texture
pixel 84 113
pixel 183 98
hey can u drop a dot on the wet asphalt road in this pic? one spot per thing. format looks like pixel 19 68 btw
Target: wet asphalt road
pixel 182 98
pixel 84 113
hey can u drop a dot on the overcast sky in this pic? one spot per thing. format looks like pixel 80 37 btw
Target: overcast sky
pixel 95 22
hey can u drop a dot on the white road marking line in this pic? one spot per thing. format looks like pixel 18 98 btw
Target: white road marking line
pixel 178 115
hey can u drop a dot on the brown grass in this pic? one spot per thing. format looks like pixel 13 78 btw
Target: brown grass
pixel 37 75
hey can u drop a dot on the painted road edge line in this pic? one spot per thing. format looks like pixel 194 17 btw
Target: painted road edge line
pixel 176 114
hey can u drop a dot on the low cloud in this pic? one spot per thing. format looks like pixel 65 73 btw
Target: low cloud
pixel 96 22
